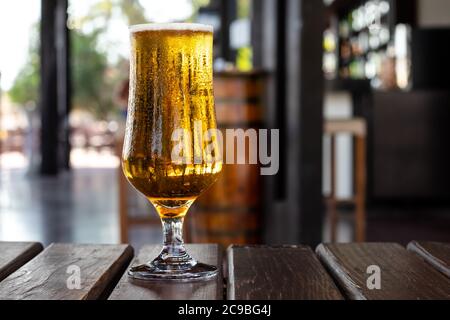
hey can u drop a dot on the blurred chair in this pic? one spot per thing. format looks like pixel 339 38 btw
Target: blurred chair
pixel 357 127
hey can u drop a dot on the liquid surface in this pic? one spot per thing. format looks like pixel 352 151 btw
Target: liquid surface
pixel 171 26
pixel 170 88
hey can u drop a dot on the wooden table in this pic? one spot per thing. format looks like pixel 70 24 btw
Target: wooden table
pixel 331 272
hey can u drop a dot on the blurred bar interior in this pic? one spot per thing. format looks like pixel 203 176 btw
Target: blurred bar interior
pixel 358 88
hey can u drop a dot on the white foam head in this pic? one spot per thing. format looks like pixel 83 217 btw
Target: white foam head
pixel 171 26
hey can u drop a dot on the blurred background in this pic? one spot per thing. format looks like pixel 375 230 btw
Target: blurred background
pixel 360 90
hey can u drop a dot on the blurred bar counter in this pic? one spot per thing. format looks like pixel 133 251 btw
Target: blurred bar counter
pixel 407 157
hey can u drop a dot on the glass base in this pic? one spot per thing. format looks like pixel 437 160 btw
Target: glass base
pixel 173 263
pixel 150 271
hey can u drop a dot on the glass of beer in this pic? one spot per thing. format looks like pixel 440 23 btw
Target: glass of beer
pixel 171 153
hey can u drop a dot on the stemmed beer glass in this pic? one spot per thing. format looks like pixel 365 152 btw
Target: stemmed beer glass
pixel 171 153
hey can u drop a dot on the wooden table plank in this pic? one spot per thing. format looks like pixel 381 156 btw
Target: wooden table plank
pixel 277 272
pixel 13 255
pixel 403 275
pixel 47 275
pixel 129 289
pixel 435 253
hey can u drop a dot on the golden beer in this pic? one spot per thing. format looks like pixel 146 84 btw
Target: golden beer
pixel 170 89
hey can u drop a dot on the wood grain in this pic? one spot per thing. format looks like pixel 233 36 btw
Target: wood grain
pixel 435 253
pixel 403 274
pixel 13 255
pixel 128 289
pixel 282 272
pixel 46 276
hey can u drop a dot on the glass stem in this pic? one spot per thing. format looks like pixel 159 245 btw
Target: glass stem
pixel 173 255
pixel 173 234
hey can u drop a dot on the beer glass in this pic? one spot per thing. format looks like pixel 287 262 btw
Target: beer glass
pixel 171 153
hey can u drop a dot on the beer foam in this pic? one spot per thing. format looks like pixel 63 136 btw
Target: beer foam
pixel 171 26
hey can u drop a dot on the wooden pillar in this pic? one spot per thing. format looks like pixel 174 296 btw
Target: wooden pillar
pixel 64 83
pixel 289 45
pixel 48 99
pixel 305 23
pixel 54 90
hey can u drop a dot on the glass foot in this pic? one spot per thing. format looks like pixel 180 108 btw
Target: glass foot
pixel 173 263
pixel 150 271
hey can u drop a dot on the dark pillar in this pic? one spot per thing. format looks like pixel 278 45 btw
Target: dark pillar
pixel 54 93
pixel 287 37
pixel 228 15
pixel 48 97
pixel 305 24
pixel 64 83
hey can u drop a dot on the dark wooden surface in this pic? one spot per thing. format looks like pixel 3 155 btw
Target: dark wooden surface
pixel 403 274
pixel 153 290
pixel 287 272
pixel 15 254
pixel 46 276
pixel 251 272
pixel 435 253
